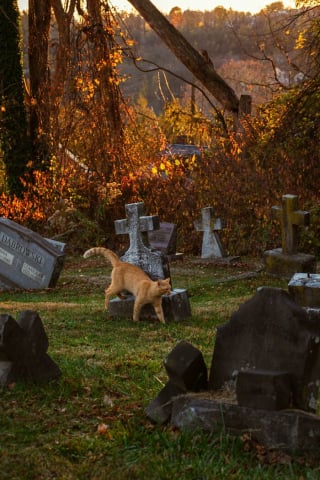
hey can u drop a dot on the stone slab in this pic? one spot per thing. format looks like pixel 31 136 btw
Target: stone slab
pixel 288 430
pixel 284 265
pixel 27 260
pixel 176 307
pixel 305 289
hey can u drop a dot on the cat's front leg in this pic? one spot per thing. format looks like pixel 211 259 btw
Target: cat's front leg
pixel 159 312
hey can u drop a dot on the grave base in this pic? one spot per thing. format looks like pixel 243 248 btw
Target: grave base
pixel 176 307
pixel 284 265
pixel 305 289
pixel 286 430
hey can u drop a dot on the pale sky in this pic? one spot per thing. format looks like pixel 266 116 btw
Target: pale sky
pixel 253 6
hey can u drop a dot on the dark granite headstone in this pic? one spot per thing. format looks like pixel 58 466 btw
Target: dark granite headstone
pixel 268 332
pixel 23 350
pixel 27 260
pixel 164 239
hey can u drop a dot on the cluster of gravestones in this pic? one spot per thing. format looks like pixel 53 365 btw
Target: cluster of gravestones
pixel 264 376
pixel 265 372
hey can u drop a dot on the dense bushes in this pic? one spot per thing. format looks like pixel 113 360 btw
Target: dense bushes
pixel 241 176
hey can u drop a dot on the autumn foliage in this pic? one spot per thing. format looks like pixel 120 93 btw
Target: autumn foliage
pixel 241 175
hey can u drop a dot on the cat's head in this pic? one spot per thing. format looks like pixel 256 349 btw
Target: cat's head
pixel 164 286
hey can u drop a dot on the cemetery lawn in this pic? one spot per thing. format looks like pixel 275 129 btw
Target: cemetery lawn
pixel 90 424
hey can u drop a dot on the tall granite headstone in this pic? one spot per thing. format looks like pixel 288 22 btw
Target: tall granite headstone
pixel 286 261
pixel 27 260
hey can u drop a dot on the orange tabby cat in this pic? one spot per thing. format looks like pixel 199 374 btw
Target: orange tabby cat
pixel 126 276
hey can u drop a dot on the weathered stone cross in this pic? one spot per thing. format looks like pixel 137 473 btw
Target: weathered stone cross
pixel 211 245
pixel 136 222
pixel 291 218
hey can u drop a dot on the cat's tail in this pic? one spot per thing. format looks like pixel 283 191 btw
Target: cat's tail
pixel 105 252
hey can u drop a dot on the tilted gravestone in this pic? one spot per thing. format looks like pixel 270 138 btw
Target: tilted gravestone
pixel 286 261
pixel 211 244
pixel 176 306
pixel 28 260
pixel 187 372
pixel 23 350
pixel 164 240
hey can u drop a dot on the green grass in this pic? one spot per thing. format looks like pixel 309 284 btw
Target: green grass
pixel 91 423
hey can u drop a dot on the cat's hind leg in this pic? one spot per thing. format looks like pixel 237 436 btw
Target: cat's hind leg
pixel 108 293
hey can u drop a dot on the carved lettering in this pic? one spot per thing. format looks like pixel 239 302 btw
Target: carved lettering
pixel 31 272
pixel 22 249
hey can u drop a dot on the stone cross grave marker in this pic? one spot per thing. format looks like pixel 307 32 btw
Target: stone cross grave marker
pixel 211 244
pixel 28 260
pixel 176 306
pixel 291 218
pixel 134 225
pixel 287 261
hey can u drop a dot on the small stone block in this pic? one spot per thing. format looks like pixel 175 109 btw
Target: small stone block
pixel 265 390
pixel 176 307
pixel 186 368
pixel 285 265
pixel 159 410
pixel 305 289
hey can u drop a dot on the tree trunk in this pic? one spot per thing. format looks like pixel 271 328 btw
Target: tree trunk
pixel 13 116
pixel 39 25
pixel 189 56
